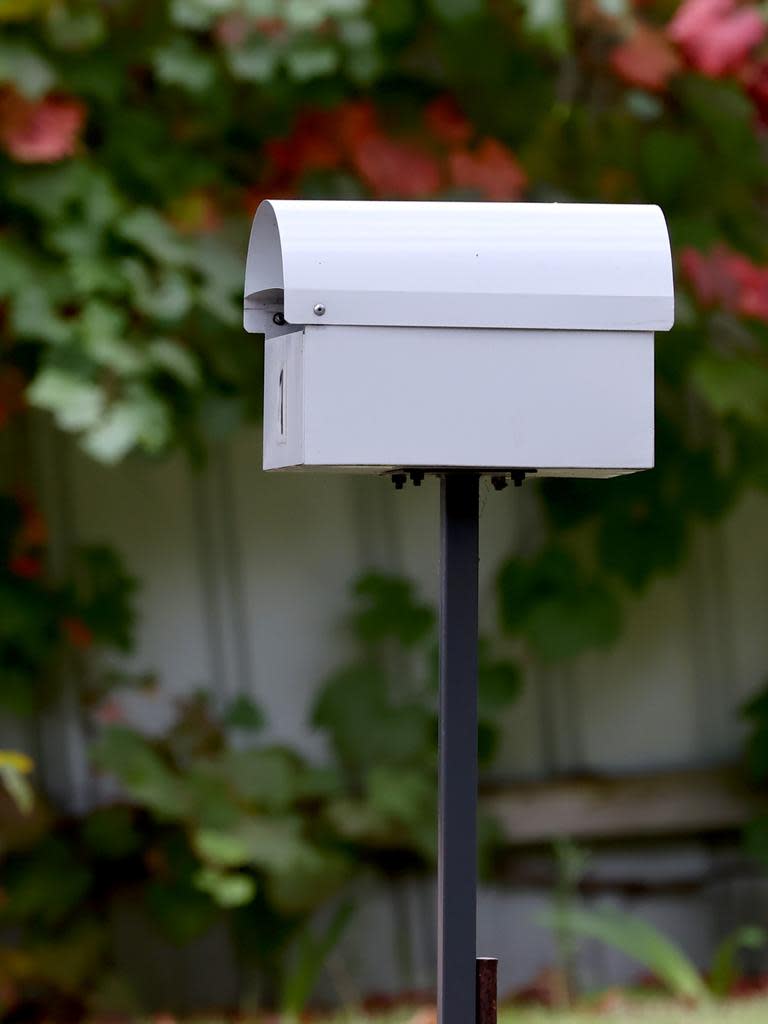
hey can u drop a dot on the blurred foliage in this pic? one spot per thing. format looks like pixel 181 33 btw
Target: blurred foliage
pixel 663 958
pixel 379 713
pixel 14 769
pixel 136 140
pixel 52 629
pixel 217 823
pixel 666 962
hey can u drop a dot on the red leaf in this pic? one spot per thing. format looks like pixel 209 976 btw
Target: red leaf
pixel 26 566
pixel 41 131
pixel 492 170
pixel 11 393
pixel 756 82
pixel 447 123
pixel 232 29
pixel 646 59
pixel 716 36
pixel 392 168
pixel 728 279
pixel 312 145
pixel 77 633
pixel 355 122
pixel 109 712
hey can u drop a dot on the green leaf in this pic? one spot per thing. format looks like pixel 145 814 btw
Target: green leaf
pixel 358 820
pixel 140 419
pixel 102 593
pixel 559 609
pixel 311 882
pixel 46 884
pixel 724 972
pixel 225 888
pixel 733 386
pixel 176 360
pixel 141 770
pixel 180 908
pixel 224 849
pixel 389 609
pixel 111 833
pixel 305 14
pixel 636 939
pixel 118 431
pixel 270 778
pixel 311 953
pixel 255 61
pixel 17 786
pixel 407 797
pixel 75 403
pixel 75 29
pixel 457 10
pixel 102 329
pixel 500 683
pixel 197 14
pixel 276 843
pixel 406 794
pixel 244 713
pixel 165 295
pixel 546 20
pixel 300 874
pixel 564 627
pixel 310 59
pixel 212 802
pixel 74 189
pixel 34 316
pixel 669 160
pixel 366 726
pixel 148 231
pixel 30 73
pixel 182 63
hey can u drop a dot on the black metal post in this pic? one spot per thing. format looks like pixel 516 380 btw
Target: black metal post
pixel 457 847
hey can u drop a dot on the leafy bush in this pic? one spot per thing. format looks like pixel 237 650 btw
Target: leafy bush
pixel 136 139
pixel 216 822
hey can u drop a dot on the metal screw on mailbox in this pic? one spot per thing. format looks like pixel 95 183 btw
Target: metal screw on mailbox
pixel 278 320
pixel 399 480
pixel 319 309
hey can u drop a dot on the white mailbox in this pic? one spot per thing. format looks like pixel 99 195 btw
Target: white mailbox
pixel 467 335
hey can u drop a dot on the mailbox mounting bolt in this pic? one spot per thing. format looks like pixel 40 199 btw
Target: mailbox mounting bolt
pixel 518 477
pixel 399 480
pixel 319 309
pixel 417 475
pixel 278 320
pixel 499 482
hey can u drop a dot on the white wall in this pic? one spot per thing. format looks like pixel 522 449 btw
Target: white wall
pixel 245 580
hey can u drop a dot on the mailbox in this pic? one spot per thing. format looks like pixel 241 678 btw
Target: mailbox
pixel 492 337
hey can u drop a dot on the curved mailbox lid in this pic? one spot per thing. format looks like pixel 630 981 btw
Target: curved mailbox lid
pixel 430 264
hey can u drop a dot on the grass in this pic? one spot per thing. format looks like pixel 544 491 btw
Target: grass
pixel 634 1011
pixel 643 1011
pixel 743 1011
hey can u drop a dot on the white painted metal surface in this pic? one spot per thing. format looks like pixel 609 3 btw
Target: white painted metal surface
pixel 433 335
pixel 539 265
pixel 564 402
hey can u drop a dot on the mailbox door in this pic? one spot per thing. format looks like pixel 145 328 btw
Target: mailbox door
pixel 374 398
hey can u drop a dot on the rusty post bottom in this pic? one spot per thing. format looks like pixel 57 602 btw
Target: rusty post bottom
pixel 485 990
